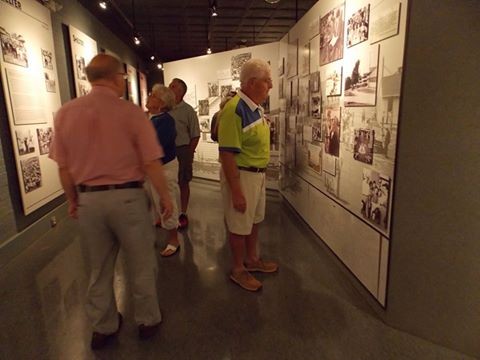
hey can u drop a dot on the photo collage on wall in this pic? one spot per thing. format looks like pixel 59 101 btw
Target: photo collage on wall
pixel 346 121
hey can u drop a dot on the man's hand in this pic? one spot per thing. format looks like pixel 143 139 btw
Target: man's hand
pixel 72 209
pixel 239 202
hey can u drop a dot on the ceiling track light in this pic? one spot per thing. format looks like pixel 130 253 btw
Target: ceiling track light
pixel 214 11
pixel 152 57
pixel 159 66
pixel 209 51
pixel 103 5
pixel 136 40
pixel 272 1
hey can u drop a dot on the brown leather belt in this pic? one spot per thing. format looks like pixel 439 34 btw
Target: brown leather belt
pixel 252 169
pixel 127 185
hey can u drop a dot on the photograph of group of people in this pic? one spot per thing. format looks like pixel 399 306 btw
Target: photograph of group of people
pixel 375 197
pixel 14 49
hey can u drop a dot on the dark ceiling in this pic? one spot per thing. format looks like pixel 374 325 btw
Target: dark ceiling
pixel 179 29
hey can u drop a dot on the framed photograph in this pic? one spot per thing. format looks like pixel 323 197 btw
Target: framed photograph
pixel 304 95
pixel 13 48
pixel 224 90
pixel 50 83
pixel 237 63
pixel 304 60
pixel 361 72
pixel 363 145
pixel 44 136
pixel 316 106
pixel 375 197
pixel 32 176
pixel 331 184
pixel 315 158
pixel 213 89
pixel 203 107
pixel 329 164
pixel 281 94
pixel 47 59
pixel 331 125
pixel 357 26
pixel 80 66
pixel 315 82
pixel 83 88
pixel 385 22
pixel 332 35
pixel 25 143
pixel 333 80
pixel 292 59
pixel 281 67
pixel 316 133
pixel 204 124
pixel 266 105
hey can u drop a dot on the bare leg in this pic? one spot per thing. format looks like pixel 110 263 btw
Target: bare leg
pixel 251 243
pixel 184 196
pixel 237 245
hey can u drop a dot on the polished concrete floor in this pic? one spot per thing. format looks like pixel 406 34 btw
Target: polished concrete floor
pixel 309 310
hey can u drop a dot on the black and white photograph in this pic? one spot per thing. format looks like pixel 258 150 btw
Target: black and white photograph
pixel 25 142
pixel 83 88
pixel 213 89
pixel 333 80
pixel 224 90
pixel 294 97
pixel 375 197
pixel 281 66
pixel 315 157
pixel 203 107
pixel 385 21
pixel 13 48
pixel 332 35
pixel 315 81
pixel 80 66
pixel 357 26
pixel 292 59
pixel 44 136
pixel 237 62
pixel 316 106
pixel 331 125
pixel 316 133
pixel 50 82
pixel 304 61
pixel 363 145
pixel 47 59
pixel 304 95
pixel 281 93
pixel 361 70
pixel 266 105
pixel 331 183
pixel 204 124
pixel 32 177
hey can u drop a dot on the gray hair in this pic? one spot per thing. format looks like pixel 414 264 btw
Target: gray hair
pixel 164 94
pixel 253 68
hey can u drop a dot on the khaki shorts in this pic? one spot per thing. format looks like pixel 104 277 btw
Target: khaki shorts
pixel 253 188
pixel 185 161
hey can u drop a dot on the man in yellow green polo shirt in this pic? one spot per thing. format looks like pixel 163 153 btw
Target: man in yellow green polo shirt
pixel 244 144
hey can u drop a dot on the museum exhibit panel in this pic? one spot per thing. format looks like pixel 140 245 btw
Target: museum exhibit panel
pixel 358 151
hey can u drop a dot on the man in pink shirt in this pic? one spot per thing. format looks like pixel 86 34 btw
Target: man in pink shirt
pixel 104 147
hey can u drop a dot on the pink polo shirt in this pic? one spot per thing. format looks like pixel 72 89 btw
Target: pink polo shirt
pixel 102 139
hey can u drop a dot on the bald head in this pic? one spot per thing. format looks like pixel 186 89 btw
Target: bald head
pixel 103 67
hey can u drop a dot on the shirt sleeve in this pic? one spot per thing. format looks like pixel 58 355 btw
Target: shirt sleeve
pixel 193 125
pixel 146 139
pixel 229 131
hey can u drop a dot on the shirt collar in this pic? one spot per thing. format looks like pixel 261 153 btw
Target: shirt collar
pixel 249 101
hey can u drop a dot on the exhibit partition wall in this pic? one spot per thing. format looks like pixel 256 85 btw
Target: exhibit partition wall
pixel 211 77
pixel 84 48
pixel 29 81
pixel 341 70
pixel 132 85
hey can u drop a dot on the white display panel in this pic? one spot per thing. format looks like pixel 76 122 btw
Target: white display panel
pixel 142 78
pixel 132 85
pixel 346 153
pixel 84 48
pixel 29 79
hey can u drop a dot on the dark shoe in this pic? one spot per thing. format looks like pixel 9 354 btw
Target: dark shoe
pixel 99 340
pixel 147 331
pixel 262 266
pixel 182 221
pixel 245 280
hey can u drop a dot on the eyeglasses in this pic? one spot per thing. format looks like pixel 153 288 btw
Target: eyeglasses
pixel 124 75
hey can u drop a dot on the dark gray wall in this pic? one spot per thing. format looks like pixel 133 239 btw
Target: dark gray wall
pixel 434 280
pixel 12 219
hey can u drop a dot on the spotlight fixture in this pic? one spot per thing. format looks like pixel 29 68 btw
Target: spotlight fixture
pixel 159 66
pixel 214 10
pixel 152 57
pixel 272 1
pixel 103 5
pixel 136 40
pixel 209 51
